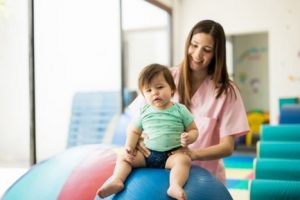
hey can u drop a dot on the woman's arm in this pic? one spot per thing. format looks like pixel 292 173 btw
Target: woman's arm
pixel 223 149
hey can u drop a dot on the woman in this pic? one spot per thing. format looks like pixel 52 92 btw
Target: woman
pixel 203 85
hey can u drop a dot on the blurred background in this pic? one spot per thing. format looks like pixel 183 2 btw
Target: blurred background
pixel 55 55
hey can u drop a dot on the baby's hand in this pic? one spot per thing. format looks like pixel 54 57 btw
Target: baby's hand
pixel 129 154
pixel 185 139
pixel 130 150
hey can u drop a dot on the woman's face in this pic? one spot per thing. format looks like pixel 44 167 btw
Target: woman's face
pixel 200 51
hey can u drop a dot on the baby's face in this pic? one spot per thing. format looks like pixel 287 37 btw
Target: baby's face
pixel 158 93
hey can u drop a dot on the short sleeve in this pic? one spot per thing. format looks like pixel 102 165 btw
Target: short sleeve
pixel 187 116
pixel 233 118
pixel 137 121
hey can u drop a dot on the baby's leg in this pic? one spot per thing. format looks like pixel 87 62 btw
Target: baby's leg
pixel 180 165
pixel 122 169
pixel 116 183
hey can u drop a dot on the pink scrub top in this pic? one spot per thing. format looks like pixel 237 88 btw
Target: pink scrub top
pixel 215 119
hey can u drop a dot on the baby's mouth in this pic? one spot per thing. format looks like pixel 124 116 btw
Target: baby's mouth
pixel 157 99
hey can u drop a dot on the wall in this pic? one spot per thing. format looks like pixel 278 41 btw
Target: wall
pixel 77 50
pixel 251 71
pixel 146 38
pixel 143 47
pixel 279 19
pixel 14 83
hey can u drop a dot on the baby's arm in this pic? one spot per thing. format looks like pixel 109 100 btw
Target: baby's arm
pixel 133 135
pixel 190 135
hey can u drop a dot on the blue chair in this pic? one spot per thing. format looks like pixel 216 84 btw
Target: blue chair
pixel 91 115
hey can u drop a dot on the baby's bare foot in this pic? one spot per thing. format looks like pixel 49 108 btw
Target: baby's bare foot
pixel 112 187
pixel 177 192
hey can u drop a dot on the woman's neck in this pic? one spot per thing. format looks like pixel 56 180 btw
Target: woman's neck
pixel 198 78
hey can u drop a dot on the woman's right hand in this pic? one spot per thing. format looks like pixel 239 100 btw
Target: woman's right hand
pixel 142 147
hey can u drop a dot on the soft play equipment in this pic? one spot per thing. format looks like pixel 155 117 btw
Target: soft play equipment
pixel 279 169
pixel 78 172
pixel 287 132
pixel 261 189
pixel 288 101
pixel 279 150
pixel 153 183
pixel 255 119
pixel 290 114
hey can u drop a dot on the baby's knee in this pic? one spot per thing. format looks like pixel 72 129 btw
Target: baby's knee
pixel 184 159
pixel 121 159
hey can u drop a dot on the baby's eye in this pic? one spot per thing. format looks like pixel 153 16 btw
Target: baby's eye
pixel 160 87
pixel 147 90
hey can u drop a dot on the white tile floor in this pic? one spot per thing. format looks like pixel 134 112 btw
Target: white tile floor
pixel 239 194
pixel 8 176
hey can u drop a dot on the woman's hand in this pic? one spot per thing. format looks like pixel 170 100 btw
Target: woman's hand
pixel 185 150
pixel 141 146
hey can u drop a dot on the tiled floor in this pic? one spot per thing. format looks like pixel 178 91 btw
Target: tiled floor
pixel 238 194
pixel 239 171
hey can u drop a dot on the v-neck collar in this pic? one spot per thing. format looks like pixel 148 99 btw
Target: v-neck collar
pixel 200 88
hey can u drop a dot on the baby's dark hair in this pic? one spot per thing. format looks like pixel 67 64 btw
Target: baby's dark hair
pixel 153 70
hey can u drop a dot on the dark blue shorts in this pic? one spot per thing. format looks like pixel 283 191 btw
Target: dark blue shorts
pixel 158 159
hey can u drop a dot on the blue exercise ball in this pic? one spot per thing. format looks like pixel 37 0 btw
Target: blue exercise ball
pixel 152 184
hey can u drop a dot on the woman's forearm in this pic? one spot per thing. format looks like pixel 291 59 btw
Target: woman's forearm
pixel 223 149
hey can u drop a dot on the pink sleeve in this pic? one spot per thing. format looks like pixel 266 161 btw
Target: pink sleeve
pixel 233 118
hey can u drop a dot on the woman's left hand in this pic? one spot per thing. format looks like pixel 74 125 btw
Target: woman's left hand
pixel 185 150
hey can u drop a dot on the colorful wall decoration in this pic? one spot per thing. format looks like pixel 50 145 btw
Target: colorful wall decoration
pixel 251 54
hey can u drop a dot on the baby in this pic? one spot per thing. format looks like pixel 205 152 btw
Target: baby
pixel 167 127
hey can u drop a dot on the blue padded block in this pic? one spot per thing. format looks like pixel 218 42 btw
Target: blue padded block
pixel 287 101
pixel 290 114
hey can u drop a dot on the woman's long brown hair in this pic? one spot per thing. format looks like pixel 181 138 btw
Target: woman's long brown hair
pixel 217 68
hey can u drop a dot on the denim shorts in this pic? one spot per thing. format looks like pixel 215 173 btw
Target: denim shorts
pixel 158 159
